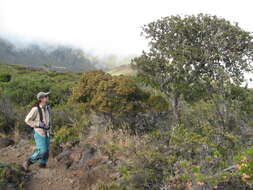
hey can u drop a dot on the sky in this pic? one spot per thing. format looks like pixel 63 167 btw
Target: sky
pixel 105 26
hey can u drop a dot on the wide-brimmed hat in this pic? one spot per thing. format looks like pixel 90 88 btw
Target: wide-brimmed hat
pixel 42 94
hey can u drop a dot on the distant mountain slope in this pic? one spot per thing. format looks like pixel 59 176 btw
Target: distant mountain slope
pixel 52 58
pixel 123 70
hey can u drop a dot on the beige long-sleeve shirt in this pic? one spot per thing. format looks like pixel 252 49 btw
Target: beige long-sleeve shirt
pixel 33 119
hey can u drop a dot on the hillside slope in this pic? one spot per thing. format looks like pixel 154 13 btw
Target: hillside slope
pixel 61 58
pixel 50 178
pixel 128 70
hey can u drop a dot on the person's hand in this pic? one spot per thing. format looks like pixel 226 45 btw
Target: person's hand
pixel 42 125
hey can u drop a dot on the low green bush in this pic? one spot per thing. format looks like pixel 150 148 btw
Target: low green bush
pixel 66 134
pixel 245 166
pixel 158 103
pixel 113 95
pixel 11 175
pixel 23 87
pixel 5 77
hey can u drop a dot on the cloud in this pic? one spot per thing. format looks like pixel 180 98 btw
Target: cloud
pixel 104 27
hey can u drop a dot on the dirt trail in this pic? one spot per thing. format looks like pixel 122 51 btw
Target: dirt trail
pixel 51 178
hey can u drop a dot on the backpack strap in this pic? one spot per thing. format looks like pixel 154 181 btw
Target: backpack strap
pixel 40 113
pixel 49 111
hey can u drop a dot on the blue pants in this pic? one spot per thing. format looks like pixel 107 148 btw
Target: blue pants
pixel 42 149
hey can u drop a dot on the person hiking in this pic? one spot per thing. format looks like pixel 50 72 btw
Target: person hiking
pixel 39 118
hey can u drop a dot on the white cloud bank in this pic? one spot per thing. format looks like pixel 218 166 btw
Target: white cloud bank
pixel 105 26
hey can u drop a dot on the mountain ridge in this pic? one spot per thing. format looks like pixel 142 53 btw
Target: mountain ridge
pixel 62 58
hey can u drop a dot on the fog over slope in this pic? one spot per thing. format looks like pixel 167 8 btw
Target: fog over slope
pixel 54 57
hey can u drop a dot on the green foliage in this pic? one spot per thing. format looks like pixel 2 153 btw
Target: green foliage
pixel 207 49
pixel 66 134
pixel 23 90
pixel 108 94
pixel 19 95
pixel 197 61
pixel 194 57
pixel 245 166
pixel 7 115
pixel 11 174
pixel 158 103
pixel 244 96
pixel 5 126
pixel 195 154
pixel 69 125
pixel 112 187
pixel 5 77
pixel 23 87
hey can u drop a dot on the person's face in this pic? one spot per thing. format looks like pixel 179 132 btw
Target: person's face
pixel 44 99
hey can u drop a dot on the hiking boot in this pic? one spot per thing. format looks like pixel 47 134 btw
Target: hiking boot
pixel 42 165
pixel 26 165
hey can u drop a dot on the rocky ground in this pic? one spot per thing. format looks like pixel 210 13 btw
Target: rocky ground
pixel 72 169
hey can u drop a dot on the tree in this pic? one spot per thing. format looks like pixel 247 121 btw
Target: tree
pixel 193 54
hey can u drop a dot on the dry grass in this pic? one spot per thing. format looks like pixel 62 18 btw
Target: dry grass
pixel 123 70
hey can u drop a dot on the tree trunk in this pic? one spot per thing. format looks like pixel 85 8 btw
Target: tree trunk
pixel 176 111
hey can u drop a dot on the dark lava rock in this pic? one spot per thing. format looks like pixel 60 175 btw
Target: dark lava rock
pixel 4 142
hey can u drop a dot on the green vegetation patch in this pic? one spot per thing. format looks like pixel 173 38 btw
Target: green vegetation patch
pixel 5 77
pixel 116 95
pixel 12 176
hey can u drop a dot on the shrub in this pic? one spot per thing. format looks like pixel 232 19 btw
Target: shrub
pixel 5 77
pixel 22 89
pixel 158 103
pixel 66 134
pixel 113 95
pixel 7 115
pixel 245 166
pixel 245 96
pixel 194 154
pixel 11 174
